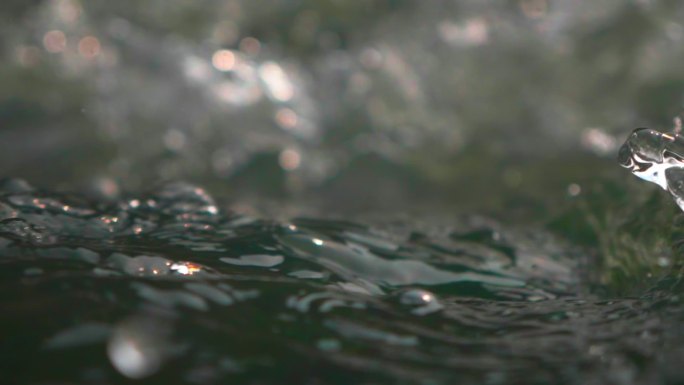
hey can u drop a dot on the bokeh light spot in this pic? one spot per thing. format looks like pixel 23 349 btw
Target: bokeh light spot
pixel 289 159
pixel 250 46
pixel 54 41
pixel 223 60
pixel 89 47
pixel 286 118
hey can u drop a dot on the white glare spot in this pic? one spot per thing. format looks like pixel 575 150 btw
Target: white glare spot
pixel 317 242
pixel 277 82
pixel 185 268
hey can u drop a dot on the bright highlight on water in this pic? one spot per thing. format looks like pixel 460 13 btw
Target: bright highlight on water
pixel 656 157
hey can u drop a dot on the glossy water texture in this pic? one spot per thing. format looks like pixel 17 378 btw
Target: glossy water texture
pixel 658 158
pixel 170 287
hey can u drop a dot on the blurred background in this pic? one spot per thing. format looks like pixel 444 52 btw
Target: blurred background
pixel 504 106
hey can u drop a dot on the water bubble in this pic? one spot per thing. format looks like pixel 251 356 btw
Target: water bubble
pixel 423 301
pixel 417 297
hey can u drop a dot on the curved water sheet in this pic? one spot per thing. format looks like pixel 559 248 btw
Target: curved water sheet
pixel 169 288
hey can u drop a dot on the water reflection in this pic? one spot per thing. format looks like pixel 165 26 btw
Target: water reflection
pixel 336 109
pixel 208 294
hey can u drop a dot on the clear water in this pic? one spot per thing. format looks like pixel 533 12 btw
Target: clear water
pixel 657 158
pixel 465 218
pixel 171 287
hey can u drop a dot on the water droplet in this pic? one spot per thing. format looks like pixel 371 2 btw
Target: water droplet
pixel 656 157
pixel 424 301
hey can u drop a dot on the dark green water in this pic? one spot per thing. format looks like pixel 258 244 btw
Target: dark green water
pixel 388 191
pixel 170 287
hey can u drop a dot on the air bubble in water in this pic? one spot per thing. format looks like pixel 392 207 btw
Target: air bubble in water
pixel 422 301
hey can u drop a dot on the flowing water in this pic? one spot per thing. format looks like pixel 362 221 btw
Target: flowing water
pixel 171 287
pixel 383 192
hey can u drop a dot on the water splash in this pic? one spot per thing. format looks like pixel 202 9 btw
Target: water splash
pixel 656 157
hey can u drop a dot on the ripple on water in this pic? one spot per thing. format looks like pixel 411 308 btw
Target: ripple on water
pixel 359 262
pixel 172 287
pixel 255 260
